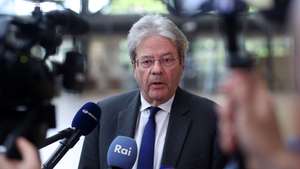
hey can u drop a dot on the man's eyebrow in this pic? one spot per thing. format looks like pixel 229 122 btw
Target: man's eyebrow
pixel 167 54
pixel 145 56
pixel 162 55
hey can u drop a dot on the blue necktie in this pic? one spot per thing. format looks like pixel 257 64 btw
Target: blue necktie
pixel 146 155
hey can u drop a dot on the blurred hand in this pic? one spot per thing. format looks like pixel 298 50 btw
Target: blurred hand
pixel 247 118
pixel 29 154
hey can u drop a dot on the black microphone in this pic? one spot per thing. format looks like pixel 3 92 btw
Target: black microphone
pixel 70 21
pixel 73 71
pixel 83 123
pixel 66 133
pixel 237 161
pixel 278 13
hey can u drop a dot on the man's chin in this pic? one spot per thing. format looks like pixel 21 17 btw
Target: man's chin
pixel 159 96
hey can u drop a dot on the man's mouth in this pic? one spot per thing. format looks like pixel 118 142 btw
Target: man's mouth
pixel 157 84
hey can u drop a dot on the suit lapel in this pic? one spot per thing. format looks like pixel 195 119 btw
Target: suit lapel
pixel 178 127
pixel 127 118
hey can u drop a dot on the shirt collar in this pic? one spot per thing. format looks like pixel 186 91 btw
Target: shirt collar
pixel 165 106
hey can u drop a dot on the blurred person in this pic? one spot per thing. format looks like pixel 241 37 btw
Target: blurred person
pixel 184 124
pixel 30 157
pixel 247 119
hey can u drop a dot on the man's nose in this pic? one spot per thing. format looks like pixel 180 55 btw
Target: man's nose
pixel 157 67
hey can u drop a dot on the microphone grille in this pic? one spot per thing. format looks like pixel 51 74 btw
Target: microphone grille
pixel 122 152
pixel 87 118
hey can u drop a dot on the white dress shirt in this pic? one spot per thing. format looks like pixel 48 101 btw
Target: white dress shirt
pixel 162 121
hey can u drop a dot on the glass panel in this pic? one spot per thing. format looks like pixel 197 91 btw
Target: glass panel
pixel 135 7
pixel 75 5
pixel 205 64
pixel 96 5
pixel 258 46
pixel 25 7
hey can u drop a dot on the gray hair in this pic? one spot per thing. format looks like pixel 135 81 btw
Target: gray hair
pixel 150 25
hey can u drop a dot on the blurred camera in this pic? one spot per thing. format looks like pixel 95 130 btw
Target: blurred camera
pixel 28 79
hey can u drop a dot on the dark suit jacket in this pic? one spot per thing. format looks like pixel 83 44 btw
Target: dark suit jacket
pixel 191 136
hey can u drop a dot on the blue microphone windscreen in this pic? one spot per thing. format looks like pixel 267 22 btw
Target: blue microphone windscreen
pixel 87 118
pixel 122 152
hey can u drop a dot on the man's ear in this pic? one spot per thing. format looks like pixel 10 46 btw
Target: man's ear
pixel 134 70
pixel 182 63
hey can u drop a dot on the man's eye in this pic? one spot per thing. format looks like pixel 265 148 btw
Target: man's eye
pixel 146 61
pixel 168 60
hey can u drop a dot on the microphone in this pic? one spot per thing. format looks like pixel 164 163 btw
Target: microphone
pixel 73 71
pixel 80 121
pixel 83 123
pixel 122 153
pixel 70 21
pixel 237 161
pixel 66 133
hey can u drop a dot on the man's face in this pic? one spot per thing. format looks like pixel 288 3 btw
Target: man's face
pixel 157 80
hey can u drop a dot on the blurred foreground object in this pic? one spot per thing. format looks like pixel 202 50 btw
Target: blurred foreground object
pixel 27 76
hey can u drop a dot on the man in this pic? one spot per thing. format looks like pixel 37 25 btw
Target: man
pixel 185 123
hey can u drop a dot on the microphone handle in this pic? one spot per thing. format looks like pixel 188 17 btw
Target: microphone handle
pixel 66 133
pixel 240 160
pixel 66 144
pixel 237 161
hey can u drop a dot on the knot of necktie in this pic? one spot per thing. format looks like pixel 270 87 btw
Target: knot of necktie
pixel 153 111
